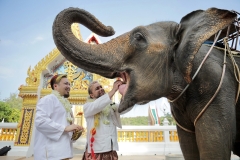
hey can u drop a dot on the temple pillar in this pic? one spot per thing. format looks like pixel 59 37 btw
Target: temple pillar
pixel 25 125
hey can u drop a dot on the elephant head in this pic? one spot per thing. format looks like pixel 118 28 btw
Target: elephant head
pixel 147 57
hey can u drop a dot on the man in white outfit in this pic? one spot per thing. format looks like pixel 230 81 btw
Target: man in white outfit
pixel 54 123
pixel 102 118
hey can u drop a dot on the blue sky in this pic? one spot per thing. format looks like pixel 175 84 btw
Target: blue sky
pixel 26 27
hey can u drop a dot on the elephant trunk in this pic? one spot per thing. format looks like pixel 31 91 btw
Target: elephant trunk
pixel 104 59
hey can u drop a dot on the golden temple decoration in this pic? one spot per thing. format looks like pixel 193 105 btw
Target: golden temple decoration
pixel 31 79
pixel 70 70
pixel 24 131
pixel 145 136
pixel 27 91
pixel 77 96
pixel 173 136
pixel 77 101
pixel 30 101
pixel 7 134
pixel 45 92
pixel 76 31
pixel 79 83
pixel 106 83
pixel 79 116
pixel 34 75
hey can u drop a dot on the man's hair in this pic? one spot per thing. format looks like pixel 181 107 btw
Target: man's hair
pixel 56 79
pixel 90 86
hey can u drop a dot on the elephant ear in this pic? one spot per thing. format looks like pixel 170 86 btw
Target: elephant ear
pixel 194 29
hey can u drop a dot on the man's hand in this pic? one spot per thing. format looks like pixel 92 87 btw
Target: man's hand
pixel 116 84
pixel 73 127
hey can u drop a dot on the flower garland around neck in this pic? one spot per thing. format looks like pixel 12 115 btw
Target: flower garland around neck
pixel 66 104
pixel 104 113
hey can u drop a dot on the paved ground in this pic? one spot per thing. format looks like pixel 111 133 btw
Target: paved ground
pixel 79 157
pixel 78 152
pixel 136 157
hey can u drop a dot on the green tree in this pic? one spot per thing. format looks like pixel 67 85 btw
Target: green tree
pixel 135 121
pixel 5 111
pixel 8 114
pixel 10 109
pixel 169 118
pixel 15 115
pixel 14 101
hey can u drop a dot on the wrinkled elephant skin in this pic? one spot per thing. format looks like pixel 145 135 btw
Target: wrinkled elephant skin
pixel 158 60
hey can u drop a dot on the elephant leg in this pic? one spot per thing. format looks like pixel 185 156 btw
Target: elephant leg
pixel 188 145
pixel 214 133
pixel 236 147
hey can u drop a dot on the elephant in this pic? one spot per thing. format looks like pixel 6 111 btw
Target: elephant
pixel 159 60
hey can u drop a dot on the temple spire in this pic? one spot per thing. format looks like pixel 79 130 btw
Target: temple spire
pixel 76 31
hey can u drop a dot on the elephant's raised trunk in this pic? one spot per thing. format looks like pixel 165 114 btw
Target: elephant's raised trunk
pixel 104 59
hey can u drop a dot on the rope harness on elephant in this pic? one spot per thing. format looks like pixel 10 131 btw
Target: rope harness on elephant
pixel 227 51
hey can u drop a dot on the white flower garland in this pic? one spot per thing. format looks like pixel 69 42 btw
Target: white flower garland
pixel 66 104
pixel 105 112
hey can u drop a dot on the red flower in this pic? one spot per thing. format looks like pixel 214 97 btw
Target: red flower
pixel 92 154
pixel 92 139
pixel 79 113
pixel 93 131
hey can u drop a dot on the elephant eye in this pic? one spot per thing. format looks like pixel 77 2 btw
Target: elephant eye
pixel 138 36
pixel 139 40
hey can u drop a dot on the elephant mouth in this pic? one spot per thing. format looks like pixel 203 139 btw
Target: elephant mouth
pixel 127 91
pixel 125 78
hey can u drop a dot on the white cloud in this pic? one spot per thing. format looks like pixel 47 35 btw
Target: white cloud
pixel 37 39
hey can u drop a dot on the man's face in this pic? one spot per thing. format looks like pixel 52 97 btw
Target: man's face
pixel 63 87
pixel 97 91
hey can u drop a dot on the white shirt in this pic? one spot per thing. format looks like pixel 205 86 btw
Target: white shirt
pixel 51 142
pixel 104 133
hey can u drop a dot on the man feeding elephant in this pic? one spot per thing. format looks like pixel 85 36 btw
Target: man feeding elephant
pixel 102 119
pixel 161 59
